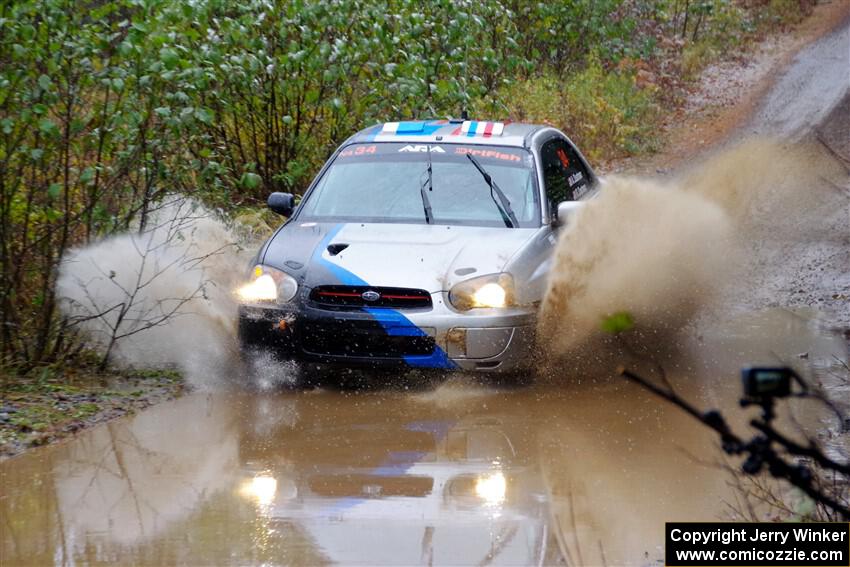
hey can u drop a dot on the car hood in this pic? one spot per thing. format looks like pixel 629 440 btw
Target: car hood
pixel 430 257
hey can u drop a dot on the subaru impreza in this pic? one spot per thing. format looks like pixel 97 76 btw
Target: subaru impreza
pixel 420 244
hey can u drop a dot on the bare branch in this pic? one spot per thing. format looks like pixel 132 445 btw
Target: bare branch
pixel 760 450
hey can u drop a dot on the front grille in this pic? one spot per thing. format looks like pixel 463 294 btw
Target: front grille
pixel 341 296
pixel 370 485
pixel 368 340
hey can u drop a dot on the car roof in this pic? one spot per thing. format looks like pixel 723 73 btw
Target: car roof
pixel 492 133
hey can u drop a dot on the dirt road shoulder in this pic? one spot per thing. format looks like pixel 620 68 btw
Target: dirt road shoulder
pixel 729 92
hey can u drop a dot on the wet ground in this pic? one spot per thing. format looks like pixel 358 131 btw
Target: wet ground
pixel 583 470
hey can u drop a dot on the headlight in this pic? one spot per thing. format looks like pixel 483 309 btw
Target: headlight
pixel 268 285
pixel 495 290
pixel 491 488
pixel 262 488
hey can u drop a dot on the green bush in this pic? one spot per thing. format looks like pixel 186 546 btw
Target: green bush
pixel 786 12
pixel 604 112
pixel 695 57
pixel 560 35
pixel 287 83
pixel 715 28
pixel 108 106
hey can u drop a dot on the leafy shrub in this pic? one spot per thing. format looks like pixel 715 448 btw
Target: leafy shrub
pixel 612 114
pixel 786 12
pixel 604 112
pixel 107 107
pixel 96 124
pixel 695 57
pixel 714 28
pixel 288 82
pixel 560 35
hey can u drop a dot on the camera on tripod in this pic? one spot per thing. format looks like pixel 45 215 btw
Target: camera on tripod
pixel 763 382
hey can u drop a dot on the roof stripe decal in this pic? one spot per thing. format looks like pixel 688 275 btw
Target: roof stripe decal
pixel 475 128
pixel 374 132
pixel 412 128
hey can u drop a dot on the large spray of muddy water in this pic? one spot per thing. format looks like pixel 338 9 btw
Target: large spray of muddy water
pixel 662 250
pixel 162 296
pixel 665 251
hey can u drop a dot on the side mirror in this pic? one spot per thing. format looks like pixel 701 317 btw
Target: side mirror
pixel 566 210
pixel 282 203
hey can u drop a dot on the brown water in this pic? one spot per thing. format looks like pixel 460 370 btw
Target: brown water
pixel 585 471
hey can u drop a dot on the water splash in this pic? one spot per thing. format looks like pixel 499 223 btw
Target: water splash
pixel 161 297
pixel 666 250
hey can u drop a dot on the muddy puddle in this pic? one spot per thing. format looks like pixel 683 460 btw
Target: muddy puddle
pixel 585 471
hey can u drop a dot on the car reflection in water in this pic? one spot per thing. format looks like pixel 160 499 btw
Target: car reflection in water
pixel 369 487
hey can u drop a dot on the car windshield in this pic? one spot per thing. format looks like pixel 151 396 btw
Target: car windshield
pixel 383 182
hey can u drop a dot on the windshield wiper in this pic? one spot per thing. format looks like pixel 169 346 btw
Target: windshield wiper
pixel 426 204
pixel 505 206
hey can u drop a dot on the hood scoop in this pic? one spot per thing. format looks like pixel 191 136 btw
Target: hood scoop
pixel 334 249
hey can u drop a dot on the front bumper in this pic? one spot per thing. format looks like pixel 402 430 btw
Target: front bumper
pixel 486 340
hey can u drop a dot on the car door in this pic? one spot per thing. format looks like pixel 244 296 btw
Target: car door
pixel 565 175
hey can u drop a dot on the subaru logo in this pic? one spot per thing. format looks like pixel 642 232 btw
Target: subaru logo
pixel 370 295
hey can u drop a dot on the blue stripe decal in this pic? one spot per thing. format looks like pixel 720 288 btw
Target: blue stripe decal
pixel 410 127
pixel 415 129
pixel 437 359
pixel 374 132
pixel 398 463
pixel 338 272
pixel 396 324
pixel 393 322
pixel 429 129
pixel 473 126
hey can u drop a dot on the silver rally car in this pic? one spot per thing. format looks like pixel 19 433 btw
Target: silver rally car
pixel 422 244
